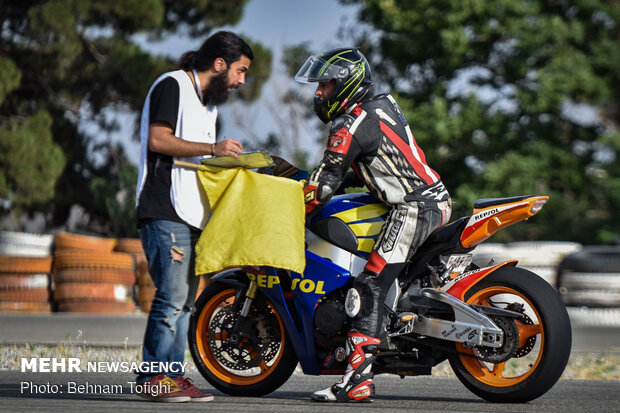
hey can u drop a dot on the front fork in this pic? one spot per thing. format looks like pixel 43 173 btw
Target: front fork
pixel 243 324
pixel 250 294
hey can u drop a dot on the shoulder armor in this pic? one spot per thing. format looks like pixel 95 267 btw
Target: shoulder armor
pixel 342 121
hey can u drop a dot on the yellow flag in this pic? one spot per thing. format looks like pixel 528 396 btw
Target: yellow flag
pixel 256 219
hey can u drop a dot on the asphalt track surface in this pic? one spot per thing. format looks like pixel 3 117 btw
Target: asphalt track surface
pixel 412 394
pixel 115 331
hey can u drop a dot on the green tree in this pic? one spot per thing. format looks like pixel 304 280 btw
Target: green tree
pixel 65 64
pixel 30 162
pixel 496 91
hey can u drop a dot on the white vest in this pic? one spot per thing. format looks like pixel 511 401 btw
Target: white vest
pixel 195 123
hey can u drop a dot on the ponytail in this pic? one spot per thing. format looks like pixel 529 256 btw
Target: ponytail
pixel 187 62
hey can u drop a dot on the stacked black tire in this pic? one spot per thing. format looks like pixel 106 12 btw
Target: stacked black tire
pixel 591 277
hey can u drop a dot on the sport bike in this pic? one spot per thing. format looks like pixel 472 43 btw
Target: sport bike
pixel 503 329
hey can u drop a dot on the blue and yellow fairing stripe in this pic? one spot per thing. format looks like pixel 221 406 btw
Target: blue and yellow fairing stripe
pixel 363 214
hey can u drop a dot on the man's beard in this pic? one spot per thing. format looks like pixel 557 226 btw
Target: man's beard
pixel 217 92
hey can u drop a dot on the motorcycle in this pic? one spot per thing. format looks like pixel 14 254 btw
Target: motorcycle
pixel 503 329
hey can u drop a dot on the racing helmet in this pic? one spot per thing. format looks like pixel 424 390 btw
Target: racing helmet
pixel 351 71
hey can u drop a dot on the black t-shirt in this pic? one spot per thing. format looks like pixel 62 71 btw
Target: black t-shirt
pixel 155 196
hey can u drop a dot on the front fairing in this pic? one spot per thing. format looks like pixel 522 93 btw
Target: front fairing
pixel 320 278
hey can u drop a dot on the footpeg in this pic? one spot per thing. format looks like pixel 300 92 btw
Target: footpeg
pixel 406 317
pixel 405 324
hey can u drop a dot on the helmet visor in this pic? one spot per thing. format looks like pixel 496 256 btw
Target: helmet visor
pixel 316 69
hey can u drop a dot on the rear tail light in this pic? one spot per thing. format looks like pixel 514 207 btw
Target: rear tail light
pixel 537 206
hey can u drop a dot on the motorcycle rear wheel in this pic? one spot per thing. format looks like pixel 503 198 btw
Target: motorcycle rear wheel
pixel 244 369
pixel 544 339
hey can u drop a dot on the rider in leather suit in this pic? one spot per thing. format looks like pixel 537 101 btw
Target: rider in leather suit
pixel 371 136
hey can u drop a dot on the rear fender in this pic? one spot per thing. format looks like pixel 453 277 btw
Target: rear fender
pixel 459 286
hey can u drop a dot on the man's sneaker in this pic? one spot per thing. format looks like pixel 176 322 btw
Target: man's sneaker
pixel 192 391
pixel 162 389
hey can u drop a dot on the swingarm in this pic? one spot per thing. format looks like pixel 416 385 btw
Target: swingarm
pixel 470 326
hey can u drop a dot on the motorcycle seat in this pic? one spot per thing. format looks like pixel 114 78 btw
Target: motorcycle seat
pixel 445 238
pixel 443 234
pixel 489 202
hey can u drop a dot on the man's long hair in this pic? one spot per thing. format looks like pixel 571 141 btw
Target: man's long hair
pixel 224 44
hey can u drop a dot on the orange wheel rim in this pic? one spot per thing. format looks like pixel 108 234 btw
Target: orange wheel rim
pixel 207 355
pixel 514 370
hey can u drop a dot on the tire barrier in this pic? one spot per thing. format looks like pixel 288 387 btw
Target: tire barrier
pixel 95 275
pixel 591 277
pixel 600 317
pixel 90 274
pixel 25 283
pixel 25 307
pixel 10 281
pixel 25 245
pixel 31 295
pixel 89 277
pixel 25 265
pixel 92 291
pixel 540 257
pixel 94 259
pixel 97 307
pixel 71 241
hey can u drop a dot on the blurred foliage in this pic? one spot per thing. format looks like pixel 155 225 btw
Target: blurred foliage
pixel 30 161
pixel 65 64
pixel 509 97
pixel 114 193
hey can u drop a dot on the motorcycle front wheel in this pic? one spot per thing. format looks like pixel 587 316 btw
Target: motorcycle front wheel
pixel 254 363
pixel 544 339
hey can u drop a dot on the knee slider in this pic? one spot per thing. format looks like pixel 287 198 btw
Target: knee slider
pixel 359 300
pixel 352 302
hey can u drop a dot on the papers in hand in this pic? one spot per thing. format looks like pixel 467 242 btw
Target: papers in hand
pixel 249 160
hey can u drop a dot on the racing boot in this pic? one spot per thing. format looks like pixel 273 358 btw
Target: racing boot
pixel 356 385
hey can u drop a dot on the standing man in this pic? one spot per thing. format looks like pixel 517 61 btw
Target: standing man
pixel 372 136
pixel 178 123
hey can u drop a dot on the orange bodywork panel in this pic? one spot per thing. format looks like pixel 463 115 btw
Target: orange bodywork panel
pixel 485 222
pixel 461 284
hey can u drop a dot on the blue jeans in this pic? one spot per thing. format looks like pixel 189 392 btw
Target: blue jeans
pixel 169 248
